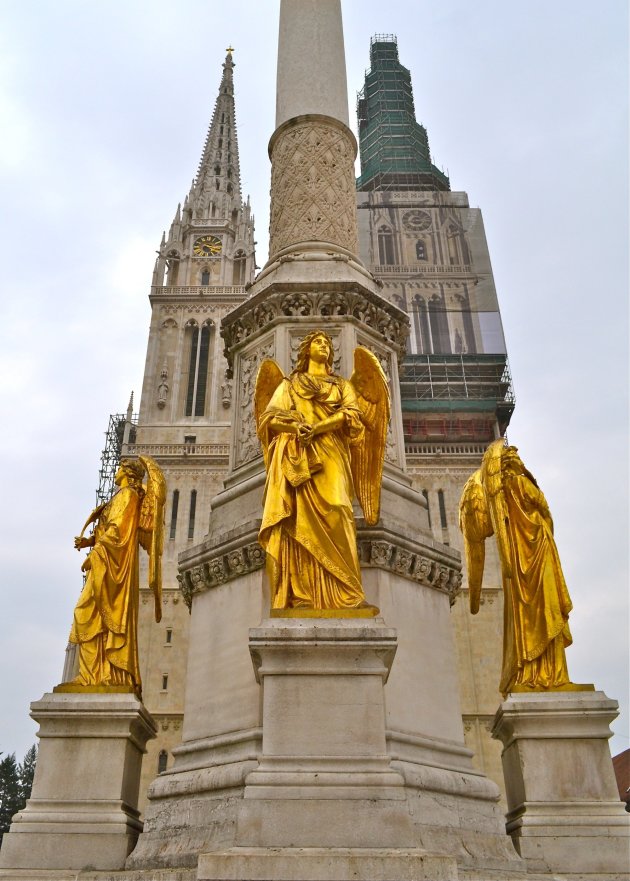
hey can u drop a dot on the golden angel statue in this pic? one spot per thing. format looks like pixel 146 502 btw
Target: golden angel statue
pixel 105 623
pixel 502 498
pixel 323 438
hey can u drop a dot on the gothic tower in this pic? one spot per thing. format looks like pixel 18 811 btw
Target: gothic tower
pixel 428 248
pixel 203 265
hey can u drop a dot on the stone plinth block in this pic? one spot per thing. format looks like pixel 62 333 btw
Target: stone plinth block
pixel 564 812
pixel 326 864
pixel 324 777
pixel 83 810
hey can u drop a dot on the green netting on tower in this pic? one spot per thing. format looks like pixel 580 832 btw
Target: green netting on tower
pixel 394 147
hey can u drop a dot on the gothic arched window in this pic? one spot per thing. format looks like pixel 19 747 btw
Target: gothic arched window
pixel 442 506
pixel 421 250
pixel 452 238
pixel 238 277
pixel 385 246
pixel 197 370
pixel 469 329
pixel 421 324
pixel 205 277
pixel 174 507
pixel 191 514
pixel 162 761
pixel 439 327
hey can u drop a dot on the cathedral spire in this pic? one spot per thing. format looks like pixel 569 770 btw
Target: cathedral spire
pixel 218 178
pixel 211 237
pixel 394 147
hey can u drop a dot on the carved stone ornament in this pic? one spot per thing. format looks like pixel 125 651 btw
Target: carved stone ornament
pixel 220 569
pixel 162 389
pixel 385 553
pixel 247 443
pixel 313 185
pixel 226 390
pixel 391 554
pixel 249 318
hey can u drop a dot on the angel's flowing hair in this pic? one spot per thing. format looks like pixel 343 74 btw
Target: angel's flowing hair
pixel 134 471
pixel 304 352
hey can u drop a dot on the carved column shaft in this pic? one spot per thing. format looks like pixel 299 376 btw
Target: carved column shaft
pixel 313 200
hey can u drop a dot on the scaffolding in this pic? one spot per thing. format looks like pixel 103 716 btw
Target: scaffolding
pixel 394 146
pixel 455 396
pixel 110 457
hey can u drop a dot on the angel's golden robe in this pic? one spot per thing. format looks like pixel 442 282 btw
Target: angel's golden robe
pixel 308 528
pixel 106 616
pixel 537 604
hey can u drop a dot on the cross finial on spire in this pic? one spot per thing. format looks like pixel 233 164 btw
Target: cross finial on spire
pixel 229 50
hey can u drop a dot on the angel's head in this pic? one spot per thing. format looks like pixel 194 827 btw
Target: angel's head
pixel 512 465
pixel 511 461
pixel 132 470
pixel 318 346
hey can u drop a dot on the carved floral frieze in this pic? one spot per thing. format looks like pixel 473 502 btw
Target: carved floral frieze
pixel 381 316
pixel 393 556
pixel 217 570
pixel 388 554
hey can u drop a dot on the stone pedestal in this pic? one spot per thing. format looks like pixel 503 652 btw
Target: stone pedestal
pixel 82 812
pixel 564 813
pixel 323 737
pixel 324 801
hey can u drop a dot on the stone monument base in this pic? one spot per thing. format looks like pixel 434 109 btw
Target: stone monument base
pixel 83 810
pixel 326 864
pixel 564 813
pixel 324 777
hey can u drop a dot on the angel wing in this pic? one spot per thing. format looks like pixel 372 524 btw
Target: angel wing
pixel 476 526
pixel 493 483
pixel 372 391
pixel 268 379
pixel 151 528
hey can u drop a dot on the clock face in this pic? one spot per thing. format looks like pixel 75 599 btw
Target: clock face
pixel 207 246
pixel 417 220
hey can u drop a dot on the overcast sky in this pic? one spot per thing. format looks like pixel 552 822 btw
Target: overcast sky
pixel 104 109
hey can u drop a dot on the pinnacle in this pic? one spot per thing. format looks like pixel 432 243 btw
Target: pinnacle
pixel 218 176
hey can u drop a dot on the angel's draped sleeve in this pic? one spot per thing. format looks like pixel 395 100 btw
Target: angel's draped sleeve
pixel 279 407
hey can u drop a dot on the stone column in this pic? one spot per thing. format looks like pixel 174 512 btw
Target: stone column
pixel 564 813
pixel 312 151
pixel 313 195
pixel 83 810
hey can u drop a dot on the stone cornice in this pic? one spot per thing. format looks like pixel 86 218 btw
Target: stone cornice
pixel 238 553
pixel 284 301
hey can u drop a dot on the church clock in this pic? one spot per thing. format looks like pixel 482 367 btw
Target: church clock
pixel 207 246
pixel 416 220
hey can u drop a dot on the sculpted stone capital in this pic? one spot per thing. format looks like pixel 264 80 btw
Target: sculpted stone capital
pixel 278 303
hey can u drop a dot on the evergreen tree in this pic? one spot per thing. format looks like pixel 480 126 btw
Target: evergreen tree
pixel 26 771
pixel 9 792
pixel 16 782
